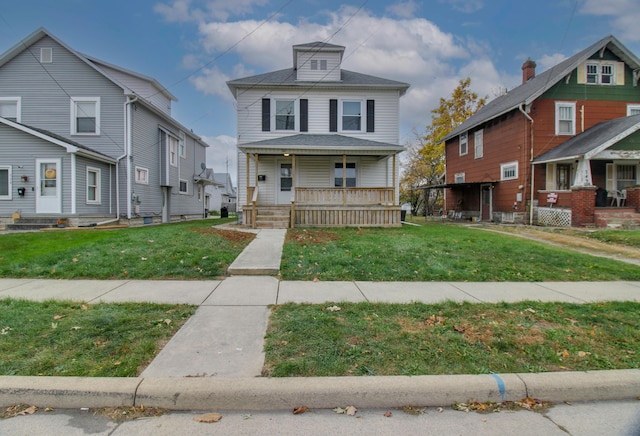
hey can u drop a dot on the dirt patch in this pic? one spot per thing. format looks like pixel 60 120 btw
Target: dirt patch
pixel 315 236
pixel 229 235
pixel 121 414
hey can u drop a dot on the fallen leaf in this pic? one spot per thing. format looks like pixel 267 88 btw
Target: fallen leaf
pixel 208 418
pixel 581 354
pixel 333 308
pixel 299 410
pixel 28 411
pixel 118 363
pixel 351 411
pixel 530 310
pixel 74 260
pixel 340 410
pixel 84 307
pixel 459 329
pixel 440 410
pixel 76 328
pixel 54 325
pixel 143 258
pixel 388 414
pixel 564 354
pixel 57 317
pixel 167 321
pixel 316 280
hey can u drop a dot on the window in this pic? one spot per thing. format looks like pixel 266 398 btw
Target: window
pixel 173 151
pixel 633 109
pixel 5 183
pixel 565 118
pixel 85 115
pixel 352 116
pixel 625 176
pixel 464 142
pixel 93 185
pixel 323 64
pixel 600 73
pixel 563 177
pixel 142 175
pixel 509 171
pixel 184 186
pixel 46 55
pixel 458 178
pixel 182 146
pixel 10 108
pixel 285 114
pixel 478 143
pixel 345 179
pixel 314 64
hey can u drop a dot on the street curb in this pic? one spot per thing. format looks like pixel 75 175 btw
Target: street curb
pixel 193 393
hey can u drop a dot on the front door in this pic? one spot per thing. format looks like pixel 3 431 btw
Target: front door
pixel 48 187
pixel 285 182
pixel 485 202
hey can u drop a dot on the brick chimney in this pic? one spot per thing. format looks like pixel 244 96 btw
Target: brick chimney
pixel 528 70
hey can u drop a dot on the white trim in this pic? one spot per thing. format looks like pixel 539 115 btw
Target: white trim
pixel 478 144
pixel 363 114
pixel 9 195
pixel 141 170
pixel 186 184
pixel 572 106
pixel 296 113
pixel 506 166
pixel 46 55
pixel 98 185
pixel 74 115
pixel 18 102
pixel 466 144
pixel 633 107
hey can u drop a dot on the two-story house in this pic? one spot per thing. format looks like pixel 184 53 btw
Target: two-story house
pixel 318 144
pixel 557 149
pixel 90 142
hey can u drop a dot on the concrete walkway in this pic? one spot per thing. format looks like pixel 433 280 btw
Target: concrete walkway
pixel 213 361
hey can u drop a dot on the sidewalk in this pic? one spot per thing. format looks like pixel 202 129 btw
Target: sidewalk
pixel 215 360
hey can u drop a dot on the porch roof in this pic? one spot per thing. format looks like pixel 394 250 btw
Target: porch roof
pixel 593 140
pixel 309 144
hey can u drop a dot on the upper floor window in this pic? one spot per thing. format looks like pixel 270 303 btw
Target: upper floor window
pixel 351 116
pixel 46 55
pixel 173 151
pixel 478 142
pixel 93 185
pixel 600 73
pixel 10 108
pixel 285 114
pixel 314 64
pixel 323 64
pixel 464 143
pixel 565 118
pixel 182 146
pixel 85 115
pixel 633 109
pixel 509 171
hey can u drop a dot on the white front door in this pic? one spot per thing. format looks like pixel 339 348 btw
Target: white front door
pixel 285 182
pixel 48 187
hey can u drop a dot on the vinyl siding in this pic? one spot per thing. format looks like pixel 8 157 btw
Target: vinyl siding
pixel 332 73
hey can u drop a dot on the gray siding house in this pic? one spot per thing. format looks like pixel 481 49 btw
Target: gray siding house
pixel 318 144
pixel 90 142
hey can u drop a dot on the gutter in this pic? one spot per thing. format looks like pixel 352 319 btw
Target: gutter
pixel 521 108
pixel 127 154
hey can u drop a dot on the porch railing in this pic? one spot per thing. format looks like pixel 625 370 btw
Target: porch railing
pixel 342 196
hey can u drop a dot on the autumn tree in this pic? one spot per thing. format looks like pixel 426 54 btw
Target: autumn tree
pixel 424 163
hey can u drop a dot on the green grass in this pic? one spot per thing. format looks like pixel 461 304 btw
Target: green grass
pixel 437 252
pixel 451 338
pixel 75 339
pixel 189 250
pixel 629 238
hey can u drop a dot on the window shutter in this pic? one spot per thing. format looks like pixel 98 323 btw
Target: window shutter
pixel 304 115
pixel 371 105
pixel 333 115
pixel 266 115
pixel 620 73
pixel 609 173
pixel 551 177
pixel 582 73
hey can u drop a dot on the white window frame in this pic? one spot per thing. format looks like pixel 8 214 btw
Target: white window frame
pixel 173 150
pixel 363 114
pixel 46 55
pixel 565 104
pixel 463 141
pixel 74 115
pixel 478 143
pixel 296 110
pixel 18 103
pixel 97 187
pixel 9 182
pixel 633 108
pixel 599 74
pixel 142 175
pixel 508 167
pixel 459 177
pixel 182 146
pixel 186 186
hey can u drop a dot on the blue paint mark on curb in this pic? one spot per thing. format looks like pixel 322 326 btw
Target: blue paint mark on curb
pixel 500 385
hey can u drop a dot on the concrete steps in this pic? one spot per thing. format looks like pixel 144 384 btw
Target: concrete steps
pixel 617 218
pixel 34 223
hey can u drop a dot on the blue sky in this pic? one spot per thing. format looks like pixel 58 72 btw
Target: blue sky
pixel 193 47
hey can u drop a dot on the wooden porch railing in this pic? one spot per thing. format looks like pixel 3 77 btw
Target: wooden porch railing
pixel 344 196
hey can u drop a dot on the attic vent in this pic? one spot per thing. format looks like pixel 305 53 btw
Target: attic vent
pixel 46 55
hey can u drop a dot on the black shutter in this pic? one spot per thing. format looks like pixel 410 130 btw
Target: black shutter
pixel 266 115
pixel 304 115
pixel 371 109
pixel 333 115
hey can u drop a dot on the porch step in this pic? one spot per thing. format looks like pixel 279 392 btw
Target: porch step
pixel 617 218
pixel 273 218
pixel 33 223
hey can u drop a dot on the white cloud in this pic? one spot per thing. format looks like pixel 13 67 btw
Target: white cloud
pixel 403 9
pixel 222 155
pixel 625 16
pixel 184 11
pixel 548 61
pixel 212 81
pixel 466 6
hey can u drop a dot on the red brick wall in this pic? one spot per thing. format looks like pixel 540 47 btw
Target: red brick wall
pixel 583 204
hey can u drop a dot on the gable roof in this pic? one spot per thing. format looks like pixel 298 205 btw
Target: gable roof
pixel 70 146
pixel 316 47
pixel 529 91
pixel 593 140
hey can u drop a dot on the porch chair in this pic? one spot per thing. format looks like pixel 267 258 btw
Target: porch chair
pixel 623 197
pixel 618 197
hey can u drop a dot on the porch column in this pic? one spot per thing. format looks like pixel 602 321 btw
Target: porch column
pixel 583 173
pixel 248 199
pixel 633 198
pixel 344 179
pixel 583 205
pixel 393 182
pixel 292 214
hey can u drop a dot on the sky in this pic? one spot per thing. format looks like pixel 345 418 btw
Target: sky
pixel 193 47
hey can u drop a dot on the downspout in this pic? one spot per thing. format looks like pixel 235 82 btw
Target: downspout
pixel 127 155
pixel 521 108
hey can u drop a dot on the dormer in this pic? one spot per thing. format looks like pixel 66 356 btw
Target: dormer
pixel 317 62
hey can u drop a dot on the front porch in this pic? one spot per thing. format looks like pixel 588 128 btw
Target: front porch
pixel 326 207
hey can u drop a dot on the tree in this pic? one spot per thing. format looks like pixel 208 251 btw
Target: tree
pixel 425 158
